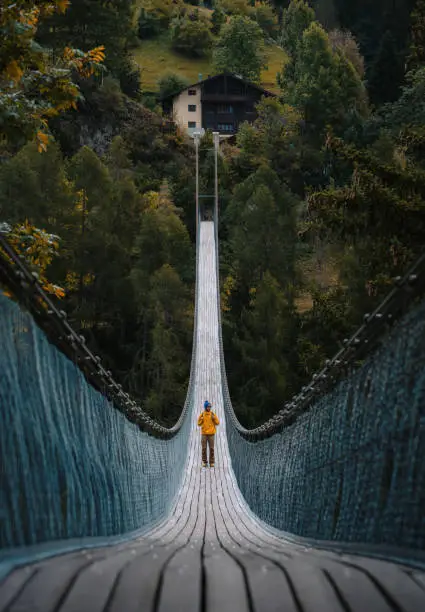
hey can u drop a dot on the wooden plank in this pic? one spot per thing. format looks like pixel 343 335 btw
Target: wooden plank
pixel 398 587
pixel 140 584
pixel 225 583
pixel 182 579
pixel 312 589
pixel 419 577
pixel 356 589
pixel 268 586
pixel 44 592
pixel 13 585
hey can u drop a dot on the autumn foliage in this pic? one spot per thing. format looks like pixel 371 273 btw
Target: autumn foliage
pixel 36 84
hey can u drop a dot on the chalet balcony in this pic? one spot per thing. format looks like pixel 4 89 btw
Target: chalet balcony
pixel 223 98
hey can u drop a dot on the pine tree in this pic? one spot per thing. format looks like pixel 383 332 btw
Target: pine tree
pixel 416 57
pixel 326 14
pixel 295 20
pixel 263 346
pixel 170 311
pixel 325 87
pixel 387 72
pixel 91 23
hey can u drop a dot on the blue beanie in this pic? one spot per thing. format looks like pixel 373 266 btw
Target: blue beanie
pixel 206 404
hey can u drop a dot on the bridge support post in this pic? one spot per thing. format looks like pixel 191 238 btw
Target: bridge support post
pixel 196 138
pixel 216 137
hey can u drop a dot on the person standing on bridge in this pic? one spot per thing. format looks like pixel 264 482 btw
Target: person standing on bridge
pixel 208 421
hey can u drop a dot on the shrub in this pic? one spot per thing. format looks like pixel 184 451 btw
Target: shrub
pixel 191 35
pixel 155 18
pixel 218 18
pixel 170 83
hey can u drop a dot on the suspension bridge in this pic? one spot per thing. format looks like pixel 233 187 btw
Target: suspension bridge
pixel 105 510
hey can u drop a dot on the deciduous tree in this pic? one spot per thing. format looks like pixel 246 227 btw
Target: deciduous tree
pixel 34 85
pixel 240 49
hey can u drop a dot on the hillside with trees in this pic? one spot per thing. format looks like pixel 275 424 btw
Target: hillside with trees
pixel 321 198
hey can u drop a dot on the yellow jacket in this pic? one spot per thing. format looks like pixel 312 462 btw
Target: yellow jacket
pixel 208 421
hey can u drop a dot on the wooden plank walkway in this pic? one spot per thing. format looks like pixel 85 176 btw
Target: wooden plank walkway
pixel 211 554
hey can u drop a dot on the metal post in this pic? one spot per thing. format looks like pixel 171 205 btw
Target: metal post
pixel 216 137
pixel 196 136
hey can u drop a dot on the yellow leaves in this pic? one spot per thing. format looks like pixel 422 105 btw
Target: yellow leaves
pixel 228 286
pixel 71 281
pixel 62 5
pixel 68 54
pixel 152 200
pixel 38 84
pixel 84 63
pixel 42 140
pixel 54 290
pixel 252 296
pixel 38 248
pixel 97 55
pixel 13 71
pixel 30 18
pixel 88 279
pixel 81 201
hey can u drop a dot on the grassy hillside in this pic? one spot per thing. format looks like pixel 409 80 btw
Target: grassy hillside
pixel 155 57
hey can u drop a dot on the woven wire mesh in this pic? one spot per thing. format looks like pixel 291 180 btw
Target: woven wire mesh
pixel 351 468
pixel 73 465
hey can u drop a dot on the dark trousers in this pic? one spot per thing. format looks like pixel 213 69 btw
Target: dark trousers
pixel 210 441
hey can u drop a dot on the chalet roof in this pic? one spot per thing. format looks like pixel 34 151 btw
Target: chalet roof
pixel 217 76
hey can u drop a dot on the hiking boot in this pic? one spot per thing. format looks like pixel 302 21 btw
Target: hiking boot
pixel 211 465
pixel 204 464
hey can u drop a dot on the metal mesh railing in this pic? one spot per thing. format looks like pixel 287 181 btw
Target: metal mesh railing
pixel 343 461
pixel 74 461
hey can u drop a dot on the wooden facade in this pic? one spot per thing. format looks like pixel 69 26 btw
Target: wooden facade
pixel 226 101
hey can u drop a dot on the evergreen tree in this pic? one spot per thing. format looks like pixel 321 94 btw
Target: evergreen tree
pixel 416 57
pixel 92 23
pixel 171 311
pixel 35 187
pixel 265 16
pixel 295 20
pixel 378 217
pixel 386 73
pixel 326 13
pixel 326 87
pixel 347 44
pixel 407 113
pixel 263 345
pixel 240 49
pixel 261 215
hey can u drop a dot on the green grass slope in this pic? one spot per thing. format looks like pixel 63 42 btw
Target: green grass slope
pixel 155 57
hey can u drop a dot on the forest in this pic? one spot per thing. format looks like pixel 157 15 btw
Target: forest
pixel 321 198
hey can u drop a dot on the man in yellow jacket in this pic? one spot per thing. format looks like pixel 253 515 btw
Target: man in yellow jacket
pixel 207 421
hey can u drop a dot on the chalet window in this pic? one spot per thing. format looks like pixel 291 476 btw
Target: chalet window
pixel 225 108
pixel 226 127
pixel 192 108
pixel 192 92
pixel 191 124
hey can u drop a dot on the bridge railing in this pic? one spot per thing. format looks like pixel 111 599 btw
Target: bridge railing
pixel 16 275
pixel 74 461
pixel 343 461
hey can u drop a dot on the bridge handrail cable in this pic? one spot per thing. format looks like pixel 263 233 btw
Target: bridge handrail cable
pixel 24 284
pixel 361 344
